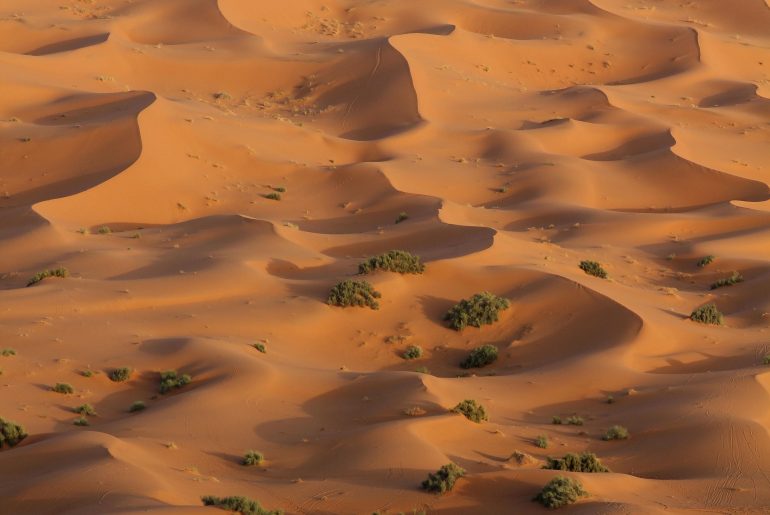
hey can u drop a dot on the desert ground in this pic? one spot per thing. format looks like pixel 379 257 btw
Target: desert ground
pixel 205 171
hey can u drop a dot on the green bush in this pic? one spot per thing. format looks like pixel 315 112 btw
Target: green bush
pixel 87 373
pixel 616 433
pixel 471 410
pixel 480 356
pixel 398 261
pixel 137 406
pixel 104 230
pixel 11 433
pixel 541 441
pixel 708 314
pixel 401 217
pixel 766 359
pixel 706 261
pixel 53 272
pixel 560 491
pixel 279 189
pixel 413 352
pixel 422 370
pixel 252 459
pixel 7 353
pixel 584 462
pixel 170 379
pixel 238 504
pixel 273 196
pixel 481 309
pixel 354 293
pixel 85 409
pixel 443 480
pixel 260 347
pixel 81 421
pixel 729 281
pixel 121 374
pixel 556 420
pixel 574 420
pixel 593 268
pixel 64 388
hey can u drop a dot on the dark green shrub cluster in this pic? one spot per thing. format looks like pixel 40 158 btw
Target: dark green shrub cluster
pixel 252 459
pixel 87 373
pixel 708 314
pixel 706 261
pixel 238 504
pixel 121 374
pixel 137 406
pixel 541 441
pixel 413 352
pixel 7 353
pixel 64 388
pixel 401 217
pixel 11 433
pixel 273 196
pixel 53 272
pixel 593 268
pixel 481 309
pixel 260 347
pixel 584 462
pixel 616 433
pixel 729 281
pixel 354 293
pixel 170 379
pixel 471 410
pixel 85 409
pixel 398 261
pixel 81 421
pixel 560 491
pixel 480 356
pixel 574 420
pixel 556 420
pixel 444 479
pixel 104 229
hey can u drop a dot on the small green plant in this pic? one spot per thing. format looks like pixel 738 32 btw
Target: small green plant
pixel 413 352
pixel 7 353
pixel 354 293
pixel 121 374
pixel 137 406
pixel 11 433
pixel 706 261
pixel 766 359
pixel 170 380
pixel 480 356
pixel 104 230
pixel 273 196
pixel 52 272
pixel 729 281
pixel 238 504
pixel 541 441
pixel 81 421
pixel 616 433
pixel 63 388
pixel 85 409
pixel 560 491
pixel 471 410
pixel 610 399
pixel 401 217
pixel 279 189
pixel 398 261
pixel 708 314
pixel 260 347
pixel 422 370
pixel 444 479
pixel 252 459
pixel 481 309
pixel 584 462
pixel 574 420
pixel 556 420
pixel 593 268
pixel 87 373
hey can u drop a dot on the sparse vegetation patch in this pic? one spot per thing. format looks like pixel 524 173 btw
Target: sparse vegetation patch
pixel 593 268
pixel 170 379
pixel 398 261
pixel 238 504
pixel 63 388
pixel 471 410
pixel 616 433
pixel 708 314
pixel 481 309
pixel 354 293
pixel 121 374
pixel 704 261
pixel 252 459
pixel 584 462
pixel 53 272
pixel 11 433
pixel 728 281
pixel 560 491
pixel 480 356
pixel 444 479
pixel 413 352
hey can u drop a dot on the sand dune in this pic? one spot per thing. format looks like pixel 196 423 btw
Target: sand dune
pixel 206 170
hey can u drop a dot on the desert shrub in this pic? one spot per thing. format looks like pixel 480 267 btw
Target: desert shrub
pixel 729 281
pixel 273 196
pixel 11 433
pixel 541 441
pixel 556 420
pixel 252 459
pixel 238 504
pixel 708 314
pixel 64 388
pixel 481 309
pixel 81 421
pixel 104 230
pixel 584 462
pixel 616 433
pixel 260 347
pixel 480 356
pixel 706 261
pixel 413 352
pixel 422 370
pixel 398 261
pixel 610 399
pixel 87 373
pixel 415 411
pixel 85 409
pixel 471 410
pixel 53 272
pixel 121 374
pixel 574 420
pixel 354 293
pixel 7 352
pixel 443 480
pixel 766 359
pixel 593 268
pixel 279 189
pixel 137 406
pixel 560 491
pixel 170 379
pixel 401 217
